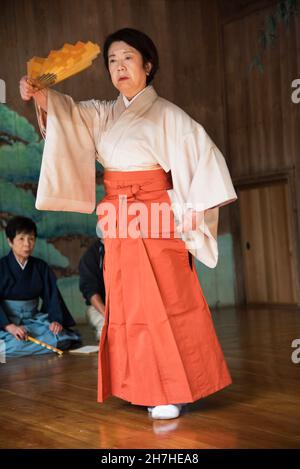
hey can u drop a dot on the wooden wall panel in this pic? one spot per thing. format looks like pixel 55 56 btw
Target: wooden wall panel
pixel 261 117
pixel 267 244
pixel 261 121
pixel 185 32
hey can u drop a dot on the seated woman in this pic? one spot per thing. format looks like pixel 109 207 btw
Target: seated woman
pixel 23 280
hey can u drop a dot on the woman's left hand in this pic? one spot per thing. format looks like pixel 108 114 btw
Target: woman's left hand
pixel 191 221
pixel 55 327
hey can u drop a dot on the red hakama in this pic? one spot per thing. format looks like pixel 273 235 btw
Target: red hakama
pixel 158 343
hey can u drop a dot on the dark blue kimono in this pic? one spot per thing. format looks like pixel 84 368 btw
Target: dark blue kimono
pixel 91 279
pixel 20 291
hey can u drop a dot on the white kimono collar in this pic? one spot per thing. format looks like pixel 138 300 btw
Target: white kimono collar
pixel 142 100
pixel 128 102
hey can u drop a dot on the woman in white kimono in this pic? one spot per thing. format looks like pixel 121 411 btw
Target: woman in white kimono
pixel 158 346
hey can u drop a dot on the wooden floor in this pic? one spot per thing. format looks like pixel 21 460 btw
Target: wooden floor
pixel 50 402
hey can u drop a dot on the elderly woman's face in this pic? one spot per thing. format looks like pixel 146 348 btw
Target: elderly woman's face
pixel 22 245
pixel 126 61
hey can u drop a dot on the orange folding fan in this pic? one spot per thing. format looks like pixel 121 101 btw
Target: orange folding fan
pixel 61 64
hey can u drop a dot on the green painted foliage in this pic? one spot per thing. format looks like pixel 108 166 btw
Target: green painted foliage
pixel 50 254
pixel 218 283
pixel 21 163
pixel 17 201
pixel 53 224
pixel 16 126
pixel 21 152
pixel 69 286
pixel 283 12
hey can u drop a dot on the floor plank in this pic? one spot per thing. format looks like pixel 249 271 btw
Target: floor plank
pixel 50 401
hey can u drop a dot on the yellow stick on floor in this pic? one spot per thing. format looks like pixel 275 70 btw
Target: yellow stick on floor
pixel 43 344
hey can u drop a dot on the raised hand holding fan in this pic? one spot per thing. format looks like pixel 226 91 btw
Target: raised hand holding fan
pixel 61 64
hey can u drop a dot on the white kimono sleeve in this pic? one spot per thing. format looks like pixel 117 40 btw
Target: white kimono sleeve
pixel 68 175
pixel 201 182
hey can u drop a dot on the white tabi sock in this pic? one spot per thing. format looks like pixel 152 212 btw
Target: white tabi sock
pixel 170 411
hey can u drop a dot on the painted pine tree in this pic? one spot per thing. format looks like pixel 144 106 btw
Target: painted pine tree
pixel 62 236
